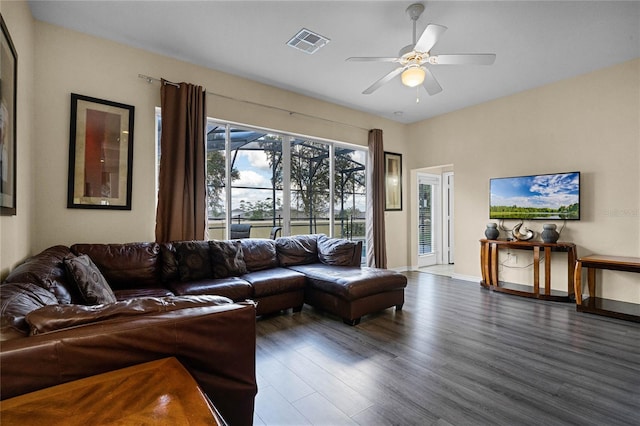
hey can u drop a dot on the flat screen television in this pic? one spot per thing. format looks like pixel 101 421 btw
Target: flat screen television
pixel 548 196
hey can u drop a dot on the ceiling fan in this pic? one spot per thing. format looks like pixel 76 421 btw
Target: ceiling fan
pixel 416 59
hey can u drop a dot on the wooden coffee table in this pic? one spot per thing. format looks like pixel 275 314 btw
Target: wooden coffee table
pixel 155 393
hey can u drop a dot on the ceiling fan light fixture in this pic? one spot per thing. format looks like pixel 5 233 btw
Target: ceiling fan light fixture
pixel 413 76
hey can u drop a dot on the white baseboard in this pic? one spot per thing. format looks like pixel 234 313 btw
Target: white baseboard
pixel 402 269
pixel 466 277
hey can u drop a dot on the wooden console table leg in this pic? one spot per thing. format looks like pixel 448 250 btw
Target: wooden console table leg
pixel 571 264
pixel 591 280
pixel 547 271
pixel 494 265
pixel 536 270
pixel 577 283
pixel 484 263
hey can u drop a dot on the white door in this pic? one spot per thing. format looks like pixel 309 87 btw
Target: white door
pixel 428 219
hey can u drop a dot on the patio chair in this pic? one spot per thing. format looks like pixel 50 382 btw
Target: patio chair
pixel 240 230
pixel 274 232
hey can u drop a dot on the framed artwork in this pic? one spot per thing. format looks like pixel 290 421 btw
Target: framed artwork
pixel 8 122
pixel 100 154
pixel 392 181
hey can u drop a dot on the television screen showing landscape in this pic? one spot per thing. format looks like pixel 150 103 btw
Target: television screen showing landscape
pixel 551 196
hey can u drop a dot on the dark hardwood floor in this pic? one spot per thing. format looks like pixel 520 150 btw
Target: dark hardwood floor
pixel 455 355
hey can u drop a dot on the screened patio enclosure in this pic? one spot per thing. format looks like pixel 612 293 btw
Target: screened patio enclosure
pixel 266 179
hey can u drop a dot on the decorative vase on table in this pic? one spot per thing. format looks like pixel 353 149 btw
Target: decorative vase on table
pixel 549 233
pixel 492 232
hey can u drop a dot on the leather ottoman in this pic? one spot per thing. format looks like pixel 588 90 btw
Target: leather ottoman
pixel 350 291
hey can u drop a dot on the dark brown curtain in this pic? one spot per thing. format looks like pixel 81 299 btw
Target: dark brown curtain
pixel 181 212
pixel 376 242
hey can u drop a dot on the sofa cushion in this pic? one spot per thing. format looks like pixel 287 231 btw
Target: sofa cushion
pixel 57 317
pixel 193 260
pixel 273 281
pixel 297 250
pixel 234 288
pixel 168 263
pixel 227 259
pixel 123 264
pixel 17 300
pixel 259 253
pixel 47 270
pixel 89 279
pixel 336 251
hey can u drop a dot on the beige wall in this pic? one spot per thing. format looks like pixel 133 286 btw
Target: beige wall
pixel 589 124
pixel 69 62
pixel 15 231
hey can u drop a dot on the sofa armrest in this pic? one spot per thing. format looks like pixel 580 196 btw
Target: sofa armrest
pixel 216 344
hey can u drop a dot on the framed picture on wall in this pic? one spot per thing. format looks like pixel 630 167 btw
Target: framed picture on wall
pixel 393 181
pixel 8 122
pixel 100 154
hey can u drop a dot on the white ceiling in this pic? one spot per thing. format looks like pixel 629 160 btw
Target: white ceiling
pixel 536 43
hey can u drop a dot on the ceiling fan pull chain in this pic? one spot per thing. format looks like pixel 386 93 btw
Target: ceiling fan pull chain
pixel 417 94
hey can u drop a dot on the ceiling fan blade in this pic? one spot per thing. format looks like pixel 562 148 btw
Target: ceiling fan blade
pixel 375 86
pixel 372 59
pixel 430 83
pixel 429 37
pixel 472 59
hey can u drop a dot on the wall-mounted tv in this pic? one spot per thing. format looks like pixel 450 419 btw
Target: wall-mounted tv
pixel 549 196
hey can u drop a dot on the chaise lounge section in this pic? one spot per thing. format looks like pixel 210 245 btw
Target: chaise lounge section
pixel 334 280
pixel 351 292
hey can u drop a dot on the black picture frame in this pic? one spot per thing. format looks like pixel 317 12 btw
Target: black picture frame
pixel 8 123
pixel 100 154
pixel 392 181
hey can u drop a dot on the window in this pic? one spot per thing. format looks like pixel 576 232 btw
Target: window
pixel 310 180
pixel 350 197
pixel 255 170
pixel 268 179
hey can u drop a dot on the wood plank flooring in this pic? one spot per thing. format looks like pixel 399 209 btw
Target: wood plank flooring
pixel 455 355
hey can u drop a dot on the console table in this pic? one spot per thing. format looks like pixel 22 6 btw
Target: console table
pixel 489 263
pixel 598 305
pixel 159 392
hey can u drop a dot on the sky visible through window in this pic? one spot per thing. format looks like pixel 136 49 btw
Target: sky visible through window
pixel 255 172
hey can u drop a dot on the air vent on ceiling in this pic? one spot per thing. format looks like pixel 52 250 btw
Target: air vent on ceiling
pixel 307 41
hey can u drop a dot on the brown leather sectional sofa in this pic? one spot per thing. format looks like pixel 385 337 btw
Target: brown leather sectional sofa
pixel 195 300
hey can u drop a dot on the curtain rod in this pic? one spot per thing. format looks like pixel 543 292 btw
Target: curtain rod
pixel 154 79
